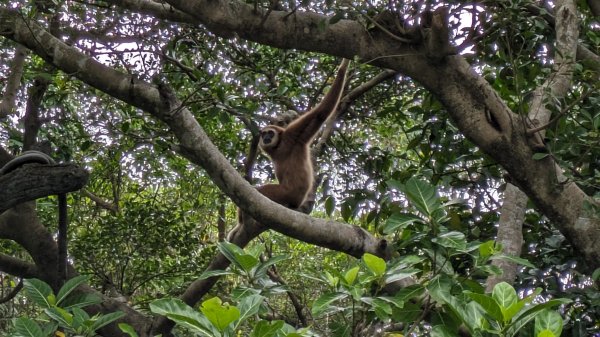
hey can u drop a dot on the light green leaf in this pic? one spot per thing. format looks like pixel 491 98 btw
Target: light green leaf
pixel 218 313
pixel 487 248
pixel 237 256
pixel 128 329
pixel 350 275
pixel 505 295
pixel 548 323
pixel 375 264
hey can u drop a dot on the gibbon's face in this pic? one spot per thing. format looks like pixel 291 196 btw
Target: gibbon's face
pixel 269 137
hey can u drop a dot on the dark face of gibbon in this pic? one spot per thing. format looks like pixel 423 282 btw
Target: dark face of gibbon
pixel 269 137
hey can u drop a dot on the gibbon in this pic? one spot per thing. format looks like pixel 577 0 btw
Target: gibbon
pixel 289 150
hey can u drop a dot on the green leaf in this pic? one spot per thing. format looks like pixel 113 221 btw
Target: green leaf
pixel 515 259
pixel 375 264
pixel 505 295
pixel 266 328
pixel 545 333
pixel 70 286
pixel 63 317
pixel 399 274
pixel 39 292
pixel 454 240
pixel 526 317
pixel 322 303
pixel 211 273
pixel 184 315
pixel 422 195
pixel 488 304
pixel 540 155
pixel 262 268
pixel 329 205
pixel 128 329
pixel 350 275
pixel 249 306
pixel 400 221
pixel 26 327
pixel 237 256
pixel 218 313
pixel 80 300
pixel 487 248
pixel 548 323
pixel 106 319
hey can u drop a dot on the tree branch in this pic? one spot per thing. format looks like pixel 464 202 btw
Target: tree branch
pixel 33 181
pixel 7 106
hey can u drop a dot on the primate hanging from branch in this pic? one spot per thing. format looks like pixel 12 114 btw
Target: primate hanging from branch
pixel 288 148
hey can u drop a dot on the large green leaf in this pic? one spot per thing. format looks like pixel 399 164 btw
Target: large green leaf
pixel 322 304
pixel 218 313
pixel 39 292
pixel 63 317
pixel 26 327
pixel 488 304
pixel 106 319
pixel 455 240
pixel 375 264
pixel 423 196
pixel 249 306
pixel 70 286
pixel 399 221
pixel 184 315
pixel 237 256
pixel 548 321
pixel 525 317
pixel 505 295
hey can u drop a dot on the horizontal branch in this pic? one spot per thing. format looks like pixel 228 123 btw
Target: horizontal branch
pixel 33 181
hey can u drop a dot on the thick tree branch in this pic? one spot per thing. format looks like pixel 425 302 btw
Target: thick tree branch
pixel 7 105
pixel 512 214
pixel 34 181
pixel 17 267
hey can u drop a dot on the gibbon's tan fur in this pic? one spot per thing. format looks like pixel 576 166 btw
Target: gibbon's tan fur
pixel 289 150
pixel 289 147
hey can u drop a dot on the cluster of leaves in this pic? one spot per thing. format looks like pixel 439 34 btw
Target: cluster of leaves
pixel 62 313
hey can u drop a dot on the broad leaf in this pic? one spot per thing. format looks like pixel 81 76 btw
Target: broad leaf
pixel 375 264
pixel 70 286
pixel 27 327
pixel 39 292
pixel 218 313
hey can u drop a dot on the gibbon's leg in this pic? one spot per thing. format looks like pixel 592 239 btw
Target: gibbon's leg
pixel 277 193
pixel 29 157
pixel 283 195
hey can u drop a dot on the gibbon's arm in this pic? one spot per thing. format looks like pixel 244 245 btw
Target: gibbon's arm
pixel 305 128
